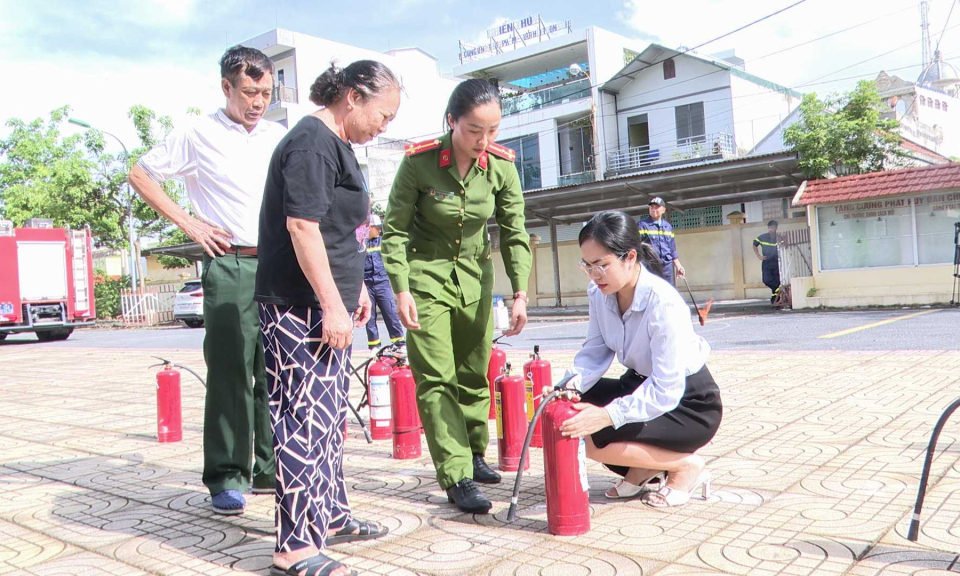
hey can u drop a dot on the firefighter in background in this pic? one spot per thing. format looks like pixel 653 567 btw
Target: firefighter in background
pixel 770 256
pixel 656 231
pixel 378 286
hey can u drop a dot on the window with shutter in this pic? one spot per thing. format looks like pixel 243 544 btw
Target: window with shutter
pixel 669 69
pixel 691 126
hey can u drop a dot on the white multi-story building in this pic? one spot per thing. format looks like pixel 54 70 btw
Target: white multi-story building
pixel 550 91
pixel 300 58
pixel 671 107
pixel 928 111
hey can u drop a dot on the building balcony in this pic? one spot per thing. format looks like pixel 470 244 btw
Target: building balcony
pixel 537 99
pixel 715 146
pixel 578 178
pixel 282 95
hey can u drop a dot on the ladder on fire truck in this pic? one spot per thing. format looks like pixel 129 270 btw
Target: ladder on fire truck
pixel 81 280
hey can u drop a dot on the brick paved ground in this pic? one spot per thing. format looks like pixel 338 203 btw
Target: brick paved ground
pixel 815 470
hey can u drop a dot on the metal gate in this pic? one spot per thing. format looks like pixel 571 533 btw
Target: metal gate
pixel 796 261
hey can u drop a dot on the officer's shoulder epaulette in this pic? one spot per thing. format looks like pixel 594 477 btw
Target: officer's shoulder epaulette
pixel 502 152
pixel 426 145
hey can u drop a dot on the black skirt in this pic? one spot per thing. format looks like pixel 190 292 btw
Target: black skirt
pixel 686 428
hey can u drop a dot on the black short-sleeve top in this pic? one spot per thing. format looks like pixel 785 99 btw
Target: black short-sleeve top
pixel 313 175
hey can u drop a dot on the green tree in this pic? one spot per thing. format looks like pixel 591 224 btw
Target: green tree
pixel 74 181
pixel 845 134
pixel 45 175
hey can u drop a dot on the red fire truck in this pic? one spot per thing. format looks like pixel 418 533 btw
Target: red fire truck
pixel 46 280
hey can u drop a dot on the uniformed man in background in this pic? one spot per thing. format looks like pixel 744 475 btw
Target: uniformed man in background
pixel 656 231
pixel 439 261
pixel 769 254
pixel 378 287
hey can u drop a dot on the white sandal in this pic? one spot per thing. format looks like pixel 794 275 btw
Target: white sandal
pixel 624 489
pixel 667 497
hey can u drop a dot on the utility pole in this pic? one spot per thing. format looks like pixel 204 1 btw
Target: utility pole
pixel 129 195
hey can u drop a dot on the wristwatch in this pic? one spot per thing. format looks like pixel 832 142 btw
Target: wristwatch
pixel 519 296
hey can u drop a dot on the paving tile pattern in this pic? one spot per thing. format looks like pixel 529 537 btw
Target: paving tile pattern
pixel 815 469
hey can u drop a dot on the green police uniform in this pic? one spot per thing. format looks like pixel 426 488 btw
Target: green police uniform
pixel 435 246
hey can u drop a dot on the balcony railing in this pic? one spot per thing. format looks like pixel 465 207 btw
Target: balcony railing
pixel 282 94
pixel 547 97
pixel 578 178
pixel 697 148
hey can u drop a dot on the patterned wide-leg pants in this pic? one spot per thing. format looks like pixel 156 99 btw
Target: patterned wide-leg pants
pixel 308 385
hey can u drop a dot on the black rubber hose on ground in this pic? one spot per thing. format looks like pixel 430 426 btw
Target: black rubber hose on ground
pixel 557 390
pixel 914 531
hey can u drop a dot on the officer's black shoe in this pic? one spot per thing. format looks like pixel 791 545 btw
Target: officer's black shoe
pixel 483 473
pixel 468 497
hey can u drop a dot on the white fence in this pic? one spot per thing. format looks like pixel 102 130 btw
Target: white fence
pixel 150 306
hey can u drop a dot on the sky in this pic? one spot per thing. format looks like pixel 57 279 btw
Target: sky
pixel 101 57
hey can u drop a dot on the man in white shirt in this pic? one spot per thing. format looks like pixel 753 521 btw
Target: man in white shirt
pixel 223 160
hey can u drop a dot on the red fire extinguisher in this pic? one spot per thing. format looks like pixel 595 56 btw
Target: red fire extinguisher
pixel 536 375
pixel 511 420
pixel 169 421
pixel 378 391
pixel 564 467
pixel 498 359
pixel 406 419
pixel 565 474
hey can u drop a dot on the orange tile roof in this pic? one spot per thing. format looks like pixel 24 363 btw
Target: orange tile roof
pixel 879 184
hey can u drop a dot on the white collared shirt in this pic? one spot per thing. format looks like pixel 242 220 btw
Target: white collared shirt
pixel 223 166
pixel 655 337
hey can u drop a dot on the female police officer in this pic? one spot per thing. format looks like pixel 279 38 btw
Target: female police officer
pixel 437 256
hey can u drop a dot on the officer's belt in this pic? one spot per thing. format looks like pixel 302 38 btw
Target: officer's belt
pixel 434 250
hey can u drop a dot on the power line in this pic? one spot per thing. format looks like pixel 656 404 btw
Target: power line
pixel 947 21
pixel 592 86
pixel 818 78
pixel 674 84
pixel 730 112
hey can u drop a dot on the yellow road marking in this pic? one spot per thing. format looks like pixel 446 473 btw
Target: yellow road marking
pixel 875 324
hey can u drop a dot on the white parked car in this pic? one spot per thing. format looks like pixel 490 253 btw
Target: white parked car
pixel 188 305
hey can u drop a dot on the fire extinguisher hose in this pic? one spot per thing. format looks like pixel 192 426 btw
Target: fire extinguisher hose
pixel 165 362
pixel 913 532
pixel 558 388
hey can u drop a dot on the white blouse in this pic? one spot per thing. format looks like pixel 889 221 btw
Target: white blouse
pixel 655 337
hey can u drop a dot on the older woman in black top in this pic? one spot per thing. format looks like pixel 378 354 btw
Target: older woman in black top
pixel 311 294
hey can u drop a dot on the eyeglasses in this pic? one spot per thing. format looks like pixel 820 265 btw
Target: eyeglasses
pixel 598 270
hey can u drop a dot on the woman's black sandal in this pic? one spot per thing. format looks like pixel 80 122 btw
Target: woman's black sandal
pixel 357 530
pixel 318 565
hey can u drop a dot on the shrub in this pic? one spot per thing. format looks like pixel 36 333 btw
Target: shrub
pixel 106 293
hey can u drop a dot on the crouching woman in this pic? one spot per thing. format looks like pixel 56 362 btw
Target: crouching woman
pixel 648 424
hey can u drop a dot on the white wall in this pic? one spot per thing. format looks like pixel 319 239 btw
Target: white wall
pixel 948 121
pixel 607 58
pixel 756 111
pixel 608 132
pixel 425 92
pixel 650 94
